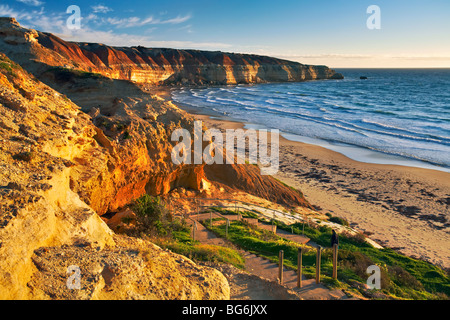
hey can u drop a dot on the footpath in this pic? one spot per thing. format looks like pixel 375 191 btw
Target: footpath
pixel 267 271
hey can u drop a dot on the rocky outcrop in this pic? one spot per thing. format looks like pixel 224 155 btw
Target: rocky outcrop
pixel 61 168
pixel 125 148
pixel 152 66
pixel 57 169
pixel 85 145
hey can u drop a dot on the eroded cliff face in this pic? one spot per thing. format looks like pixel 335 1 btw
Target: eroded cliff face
pixel 152 66
pixel 56 170
pixel 84 146
pixel 63 166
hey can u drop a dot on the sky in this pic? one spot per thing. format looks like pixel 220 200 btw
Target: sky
pixel 412 33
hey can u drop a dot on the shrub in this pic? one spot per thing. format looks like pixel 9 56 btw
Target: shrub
pixel 338 220
pixel 403 278
pixel 26 156
pixel 5 66
pixel 152 216
pixel 126 135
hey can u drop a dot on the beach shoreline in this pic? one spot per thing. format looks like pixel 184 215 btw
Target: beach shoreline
pixel 400 207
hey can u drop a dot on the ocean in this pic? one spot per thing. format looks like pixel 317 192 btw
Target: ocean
pixel 396 116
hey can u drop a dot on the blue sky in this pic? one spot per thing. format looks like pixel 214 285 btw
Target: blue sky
pixel 414 33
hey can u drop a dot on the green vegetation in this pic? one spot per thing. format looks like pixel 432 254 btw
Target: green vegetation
pixel 126 135
pixel 156 223
pixel 337 220
pixel 67 74
pixel 225 212
pixel 7 65
pixel 26 156
pixel 290 187
pixel 402 277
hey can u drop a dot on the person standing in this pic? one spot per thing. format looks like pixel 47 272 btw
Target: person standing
pixel 334 239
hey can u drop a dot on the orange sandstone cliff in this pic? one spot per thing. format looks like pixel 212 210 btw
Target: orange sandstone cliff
pixel 53 164
pixel 151 65
pixel 61 168
pixel 83 145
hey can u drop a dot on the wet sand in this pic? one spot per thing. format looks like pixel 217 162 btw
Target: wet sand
pixel 400 207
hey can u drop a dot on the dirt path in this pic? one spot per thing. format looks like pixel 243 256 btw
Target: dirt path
pixel 260 279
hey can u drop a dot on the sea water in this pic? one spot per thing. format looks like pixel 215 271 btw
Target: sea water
pixel 396 116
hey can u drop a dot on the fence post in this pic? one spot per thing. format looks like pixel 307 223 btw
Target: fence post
pixel 198 210
pixel 318 261
pixel 226 228
pixel 280 268
pixel 299 268
pixel 193 230
pixel 210 219
pixel 335 260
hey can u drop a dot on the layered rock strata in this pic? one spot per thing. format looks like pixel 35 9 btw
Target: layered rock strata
pixel 151 65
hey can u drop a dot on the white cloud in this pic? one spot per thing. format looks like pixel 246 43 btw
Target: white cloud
pixel 35 3
pixel 101 9
pixel 112 38
pixel 138 22
pixel 325 56
pixel 127 22
pixel 177 20
pixel 7 11
pixel 422 57
pixel 56 23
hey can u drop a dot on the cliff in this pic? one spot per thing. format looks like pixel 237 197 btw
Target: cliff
pixel 47 144
pixel 152 66
pixel 83 145
pixel 63 166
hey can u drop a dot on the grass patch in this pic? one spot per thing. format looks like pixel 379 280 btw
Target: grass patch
pixel 7 65
pixel 265 244
pixel 337 220
pixel 227 212
pixel 66 74
pixel 401 277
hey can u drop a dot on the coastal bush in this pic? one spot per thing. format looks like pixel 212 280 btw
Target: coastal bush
pixel 26 156
pixel 126 135
pixel 152 216
pixel 67 74
pixel 339 220
pixel 6 66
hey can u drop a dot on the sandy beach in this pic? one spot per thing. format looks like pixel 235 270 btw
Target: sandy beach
pixel 404 208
